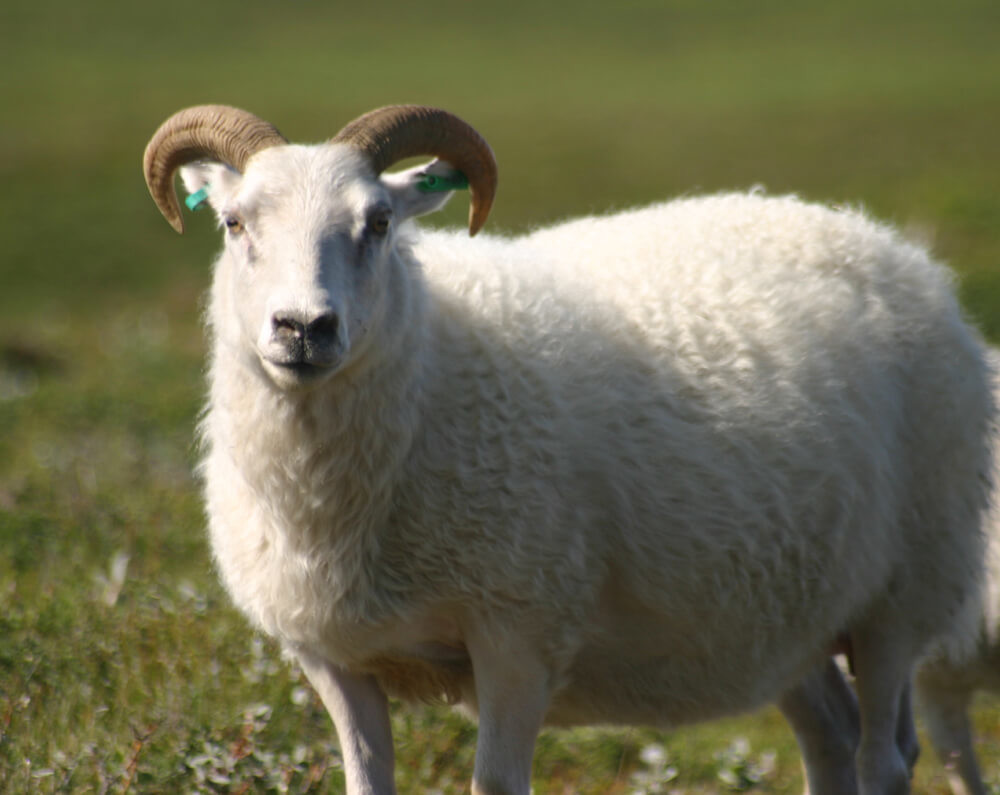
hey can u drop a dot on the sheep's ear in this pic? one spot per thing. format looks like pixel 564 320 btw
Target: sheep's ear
pixel 424 189
pixel 209 182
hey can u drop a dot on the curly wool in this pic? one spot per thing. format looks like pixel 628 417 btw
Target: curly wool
pixel 679 448
pixel 958 666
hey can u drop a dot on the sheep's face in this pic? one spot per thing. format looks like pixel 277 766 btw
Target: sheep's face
pixel 306 279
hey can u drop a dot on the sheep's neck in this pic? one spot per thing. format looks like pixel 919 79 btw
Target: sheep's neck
pixel 323 465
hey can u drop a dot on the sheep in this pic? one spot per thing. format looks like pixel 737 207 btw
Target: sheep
pixel 646 468
pixel 825 713
pixel 947 679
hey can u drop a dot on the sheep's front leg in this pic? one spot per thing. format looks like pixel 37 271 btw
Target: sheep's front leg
pixel 512 694
pixel 360 712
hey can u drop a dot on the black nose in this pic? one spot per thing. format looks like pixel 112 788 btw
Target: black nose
pixel 322 331
pixel 305 337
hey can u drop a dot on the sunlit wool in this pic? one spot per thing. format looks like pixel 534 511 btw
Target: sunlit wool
pixel 949 677
pixel 721 411
pixel 668 455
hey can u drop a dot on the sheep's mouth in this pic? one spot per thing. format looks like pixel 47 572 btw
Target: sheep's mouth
pixel 297 372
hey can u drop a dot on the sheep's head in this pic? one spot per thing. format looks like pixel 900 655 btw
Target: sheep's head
pixel 310 230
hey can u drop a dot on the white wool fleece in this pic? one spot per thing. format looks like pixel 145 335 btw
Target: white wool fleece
pixel 717 417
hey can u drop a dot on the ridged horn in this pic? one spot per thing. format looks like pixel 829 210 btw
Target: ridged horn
pixel 390 134
pixel 204 132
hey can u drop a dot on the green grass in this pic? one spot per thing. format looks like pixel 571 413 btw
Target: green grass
pixel 151 682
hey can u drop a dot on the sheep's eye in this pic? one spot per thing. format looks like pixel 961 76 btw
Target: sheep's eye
pixel 234 225
pixel 378 221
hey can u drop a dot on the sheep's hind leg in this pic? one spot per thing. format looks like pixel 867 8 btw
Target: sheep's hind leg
pixel 823 713
pixel 946 710
pixel 906 729
pixel 882 670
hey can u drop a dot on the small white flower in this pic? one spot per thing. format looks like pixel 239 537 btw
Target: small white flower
pixel 740 747
pixel 654 755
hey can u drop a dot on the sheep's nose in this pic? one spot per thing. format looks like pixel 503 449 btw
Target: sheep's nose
pixel 287 328
pixel 292 329
pixel 322 331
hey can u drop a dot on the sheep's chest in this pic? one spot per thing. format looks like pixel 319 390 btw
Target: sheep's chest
pixel 320 589
pixel 415 657
pixel 298 589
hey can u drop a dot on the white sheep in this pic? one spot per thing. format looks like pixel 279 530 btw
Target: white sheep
pixel 646 469
pixel 824 711
pixel 825 716
pixel 947 680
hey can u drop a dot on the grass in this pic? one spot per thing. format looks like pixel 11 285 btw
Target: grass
pixel 122 665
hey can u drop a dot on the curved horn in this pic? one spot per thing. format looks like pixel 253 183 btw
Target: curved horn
pixel 204 132
pixel 392 133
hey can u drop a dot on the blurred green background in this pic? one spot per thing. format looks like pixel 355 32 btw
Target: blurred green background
pixel 122 666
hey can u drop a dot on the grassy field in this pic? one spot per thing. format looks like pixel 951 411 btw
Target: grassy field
pixel 122 665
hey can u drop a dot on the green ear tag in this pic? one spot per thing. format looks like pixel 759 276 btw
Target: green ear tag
pixel 197 199
pixel 434 183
